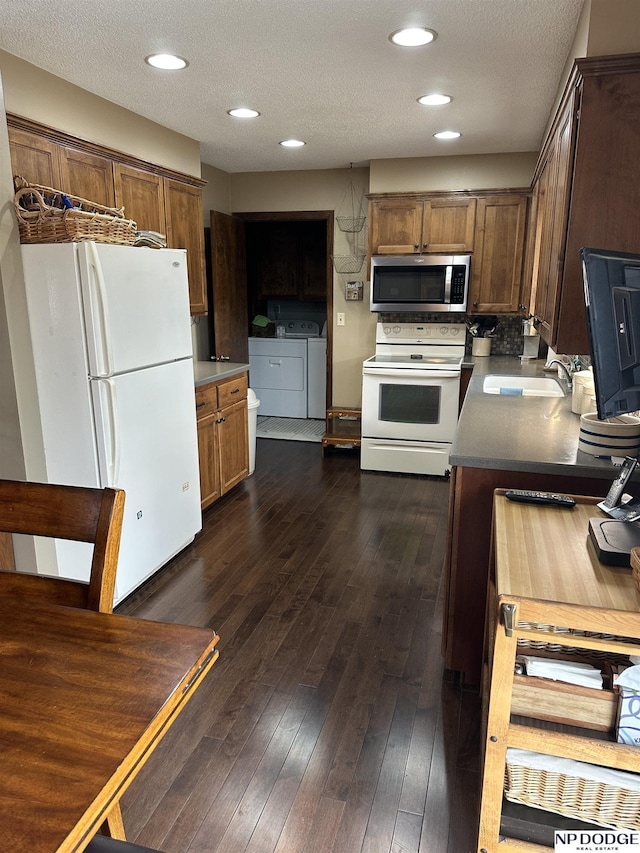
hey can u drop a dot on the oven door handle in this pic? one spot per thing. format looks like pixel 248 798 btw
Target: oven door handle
pixel 411 372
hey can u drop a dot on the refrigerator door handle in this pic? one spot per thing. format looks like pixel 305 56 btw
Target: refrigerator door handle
pixel 110 427
pixel 104 355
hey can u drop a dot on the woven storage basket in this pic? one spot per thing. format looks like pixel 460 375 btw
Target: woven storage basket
pixel 44 216
pixel 546 644
pixel 574 795
pixel 635 567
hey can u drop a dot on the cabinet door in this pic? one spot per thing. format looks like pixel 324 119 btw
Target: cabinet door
pixel 208 454
pixel 554 227
pixel 233 443
pixel 395 226
pixel 35 158
pixel 448 225
pixel 141 194
pixel 228 310
pixel 89 176
pixel 185 230
pixel 499 248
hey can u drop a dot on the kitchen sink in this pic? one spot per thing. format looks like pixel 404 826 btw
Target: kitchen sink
pixel 522 386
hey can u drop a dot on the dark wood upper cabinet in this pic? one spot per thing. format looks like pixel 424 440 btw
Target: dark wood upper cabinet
pixel 155 198
pixel 588 184
pixel 90 175
pixel 141 193
pixel 287 259
pixel 34 158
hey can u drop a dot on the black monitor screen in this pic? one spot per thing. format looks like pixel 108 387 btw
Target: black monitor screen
pixel 612 297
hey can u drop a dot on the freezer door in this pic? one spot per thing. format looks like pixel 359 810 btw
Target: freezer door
pixel 147 445
pixel 136 306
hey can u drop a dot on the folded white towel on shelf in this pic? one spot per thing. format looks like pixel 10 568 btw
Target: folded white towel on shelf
pixel 582 674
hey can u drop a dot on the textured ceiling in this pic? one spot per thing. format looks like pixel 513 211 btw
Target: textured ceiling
pixel 320 70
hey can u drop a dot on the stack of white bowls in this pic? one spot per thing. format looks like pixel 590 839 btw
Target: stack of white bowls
pixel 618 436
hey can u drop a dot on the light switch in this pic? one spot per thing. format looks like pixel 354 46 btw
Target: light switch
pixel 340 319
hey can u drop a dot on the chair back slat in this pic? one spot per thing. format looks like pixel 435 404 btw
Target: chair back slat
pixel 65 512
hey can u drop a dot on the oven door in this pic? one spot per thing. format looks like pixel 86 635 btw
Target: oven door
pixel 410 404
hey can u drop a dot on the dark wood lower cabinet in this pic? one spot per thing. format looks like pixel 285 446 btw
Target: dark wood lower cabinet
pixel 223 436
pixel 467 558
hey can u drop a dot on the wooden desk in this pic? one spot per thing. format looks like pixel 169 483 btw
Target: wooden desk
pixel 546 573
pixel 84 699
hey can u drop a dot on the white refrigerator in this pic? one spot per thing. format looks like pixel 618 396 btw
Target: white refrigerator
pixel 112 351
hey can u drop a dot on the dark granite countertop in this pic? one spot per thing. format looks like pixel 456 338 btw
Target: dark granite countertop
pixel 515 433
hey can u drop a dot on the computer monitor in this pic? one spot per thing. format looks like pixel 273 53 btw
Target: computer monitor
pixel 612 298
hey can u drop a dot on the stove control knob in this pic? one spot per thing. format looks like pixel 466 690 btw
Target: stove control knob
pixel 444 330
pixel 386 330
pixel 455 333
pixel 396 330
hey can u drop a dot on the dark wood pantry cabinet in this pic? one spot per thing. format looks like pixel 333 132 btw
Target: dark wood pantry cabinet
pixel 586 186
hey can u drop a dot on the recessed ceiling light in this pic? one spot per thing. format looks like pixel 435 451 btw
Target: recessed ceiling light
pixel 435 100
pixel 447 134
pixel 292 143
pixel 412 36
pixel 243 112
pixel 166 61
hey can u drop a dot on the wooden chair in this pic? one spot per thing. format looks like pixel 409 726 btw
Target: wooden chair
pixel 64 512
pixel 100 844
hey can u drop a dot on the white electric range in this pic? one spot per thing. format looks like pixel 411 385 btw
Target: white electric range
pixel 410 397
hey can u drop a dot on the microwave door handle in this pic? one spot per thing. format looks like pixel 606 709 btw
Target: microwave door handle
pixel 447 283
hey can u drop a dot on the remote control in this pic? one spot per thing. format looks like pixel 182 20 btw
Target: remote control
pixel 540 498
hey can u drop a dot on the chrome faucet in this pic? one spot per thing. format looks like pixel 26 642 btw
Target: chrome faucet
pixel 566 369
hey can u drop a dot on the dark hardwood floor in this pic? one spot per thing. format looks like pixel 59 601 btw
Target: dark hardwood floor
pixel 328 723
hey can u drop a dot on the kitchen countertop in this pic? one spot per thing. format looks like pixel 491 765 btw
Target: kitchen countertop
pixel 515 433
pixel 210 371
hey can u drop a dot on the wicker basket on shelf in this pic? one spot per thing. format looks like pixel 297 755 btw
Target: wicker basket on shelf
pixel 575 792
pixel 47 215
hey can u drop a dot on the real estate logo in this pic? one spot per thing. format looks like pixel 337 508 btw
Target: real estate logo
pixel 597 841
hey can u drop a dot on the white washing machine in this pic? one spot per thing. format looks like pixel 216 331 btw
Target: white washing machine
pixel 278 375
pixel 289 374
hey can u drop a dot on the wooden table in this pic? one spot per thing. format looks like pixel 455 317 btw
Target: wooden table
pixel 546 573
pixel 84 699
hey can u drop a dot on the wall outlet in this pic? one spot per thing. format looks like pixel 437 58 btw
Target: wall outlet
pixel 340 319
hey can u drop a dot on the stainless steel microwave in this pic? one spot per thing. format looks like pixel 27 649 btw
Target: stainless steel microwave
pixel 420 283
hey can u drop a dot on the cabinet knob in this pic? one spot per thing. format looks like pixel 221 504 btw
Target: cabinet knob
pixel 424 245
pixel 416 245
pixel 235 391
pixel 201 404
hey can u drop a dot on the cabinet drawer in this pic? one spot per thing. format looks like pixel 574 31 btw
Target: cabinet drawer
pixel 206 400
pixel 233 390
